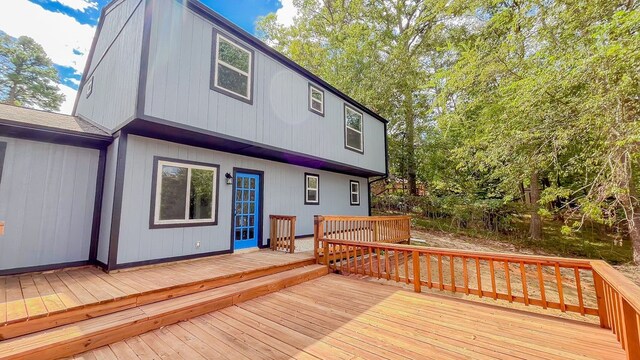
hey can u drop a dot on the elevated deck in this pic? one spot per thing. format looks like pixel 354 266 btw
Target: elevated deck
pixel 339 317
pixel 34 302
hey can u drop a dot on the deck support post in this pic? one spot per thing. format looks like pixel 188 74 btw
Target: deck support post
pixel 417 286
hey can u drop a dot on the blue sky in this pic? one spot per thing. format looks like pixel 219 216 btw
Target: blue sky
pixel 65 28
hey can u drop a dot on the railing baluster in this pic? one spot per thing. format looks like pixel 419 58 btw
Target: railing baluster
pixel 465 275
pixel 406 265
pixel 453 273
pixel 397 268
pixel 560 292
pixel 440 275
pixel 370 261
pixel 523 276
pixel 507 274
pixel 543 295
pixel 378 259
pixel 579 290
pixel 479 277
pixel 427 257
pixel 493 279
pixel 387 264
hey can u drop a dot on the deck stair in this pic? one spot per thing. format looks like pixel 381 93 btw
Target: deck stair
pixel 89 334
pixel 43 301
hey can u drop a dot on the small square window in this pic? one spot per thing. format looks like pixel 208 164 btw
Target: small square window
pixel 316 100
pixel 354 192
pixel 311 189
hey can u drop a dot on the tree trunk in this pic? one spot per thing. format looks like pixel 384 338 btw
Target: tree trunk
pixel 634 236
pixel 410 144
pixel 536 219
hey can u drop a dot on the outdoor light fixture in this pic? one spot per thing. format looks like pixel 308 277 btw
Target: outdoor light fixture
pixel 229 178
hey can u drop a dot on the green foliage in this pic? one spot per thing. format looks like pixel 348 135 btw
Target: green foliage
pixel 27 75
pixel 488 99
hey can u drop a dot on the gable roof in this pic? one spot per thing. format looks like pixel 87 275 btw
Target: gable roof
pixel 235 30
pixel 50 127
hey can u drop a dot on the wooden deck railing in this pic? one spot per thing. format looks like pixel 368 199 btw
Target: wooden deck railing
pixel 283 232
pixel 569 285
pixel 386 229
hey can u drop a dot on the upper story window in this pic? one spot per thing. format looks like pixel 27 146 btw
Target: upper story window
pixel 185 193
pixel 354 191
pixel 353 139
pixel 311 189
pixel 316 100
pixel 233 67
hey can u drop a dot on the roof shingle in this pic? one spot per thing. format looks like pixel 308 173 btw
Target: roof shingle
pixel 48 119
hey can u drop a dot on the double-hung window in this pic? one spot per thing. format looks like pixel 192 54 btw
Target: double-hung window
pixel 354 192
pixel 232 72
pixel 185 193
pixel 311 189
pixel 316 100
pixel 353 139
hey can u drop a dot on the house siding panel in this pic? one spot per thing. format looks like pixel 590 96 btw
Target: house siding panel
pixel 178 90
pixel 115 77
pixel 283 194
pixel 47 193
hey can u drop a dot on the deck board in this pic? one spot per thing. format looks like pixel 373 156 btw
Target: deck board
pixel 68 293
pixel 344 317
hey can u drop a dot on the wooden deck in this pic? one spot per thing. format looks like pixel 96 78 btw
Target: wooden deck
pixel 34 302
pixel 341 317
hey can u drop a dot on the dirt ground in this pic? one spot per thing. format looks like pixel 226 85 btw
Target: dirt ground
pixel 453 241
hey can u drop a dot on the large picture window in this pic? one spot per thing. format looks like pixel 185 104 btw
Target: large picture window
pixel 311 189
pixel 353 129
pixel 185 193
pixel 232 72
pixel 354 192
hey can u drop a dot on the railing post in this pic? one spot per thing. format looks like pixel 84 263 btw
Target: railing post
pixel 318 233
pixel 602 310
pixel 325 250
pixel 292 232
pixel 417 286
pixel 630 330
pixel 272 233
pixel 375 231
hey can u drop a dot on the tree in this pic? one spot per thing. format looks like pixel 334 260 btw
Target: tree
pixel 380 52
pixel 27 75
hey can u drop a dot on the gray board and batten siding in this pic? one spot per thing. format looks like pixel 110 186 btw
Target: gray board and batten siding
pixel 114 66
pixel 48 193
pixel 283 194
pixel 180 55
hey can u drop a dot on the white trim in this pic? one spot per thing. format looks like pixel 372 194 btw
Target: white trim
pixel 189 167
pixel 231 67
pixel 307 188
pixel 311 99
pixel 346 126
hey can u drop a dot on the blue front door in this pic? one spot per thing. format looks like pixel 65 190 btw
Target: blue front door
pixel 246 213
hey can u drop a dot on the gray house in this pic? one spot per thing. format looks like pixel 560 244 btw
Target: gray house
pixel 190 133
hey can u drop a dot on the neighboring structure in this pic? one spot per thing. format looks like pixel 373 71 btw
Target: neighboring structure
pixel 212 131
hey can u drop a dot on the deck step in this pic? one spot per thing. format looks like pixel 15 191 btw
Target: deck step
pixel 89 334
pixel 68 316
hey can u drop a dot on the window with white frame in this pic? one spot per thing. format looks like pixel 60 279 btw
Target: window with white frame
pixel 185 193
pixel 353 129
pixel 232 73
pixel 316 100
pixel 354 189
pixel 311 189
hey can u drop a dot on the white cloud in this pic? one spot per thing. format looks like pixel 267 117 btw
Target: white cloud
pixel 286 13
pixel 70 98
pixel 59 34
pixel 75 81
pixel 80 5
